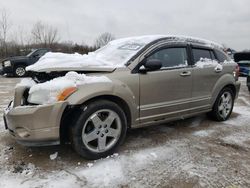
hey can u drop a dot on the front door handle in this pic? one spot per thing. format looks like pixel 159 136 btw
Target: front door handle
pixel 186 73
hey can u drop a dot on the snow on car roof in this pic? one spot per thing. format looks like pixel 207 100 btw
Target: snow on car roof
pixel 115 54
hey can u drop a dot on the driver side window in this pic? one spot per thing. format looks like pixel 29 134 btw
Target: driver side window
pixel 171 57
pixel 40 53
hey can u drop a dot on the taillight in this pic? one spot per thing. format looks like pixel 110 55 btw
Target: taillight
pixel 237 71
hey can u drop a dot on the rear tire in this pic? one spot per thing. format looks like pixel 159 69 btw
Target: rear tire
pixel 19 71
pixel 223 105
pixel 99 130
pixel 248 83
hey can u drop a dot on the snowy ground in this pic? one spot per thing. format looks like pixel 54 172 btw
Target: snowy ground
pixel 196 152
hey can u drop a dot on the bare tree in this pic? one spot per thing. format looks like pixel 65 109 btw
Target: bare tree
pixel 103 39
pixel 4 28
pixel 44 34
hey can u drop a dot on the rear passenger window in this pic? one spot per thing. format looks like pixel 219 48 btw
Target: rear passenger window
pixel 221 56
pixel 202 54
pixel 171 57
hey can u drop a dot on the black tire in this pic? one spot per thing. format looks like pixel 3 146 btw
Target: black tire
pixel 19 71
pixel 85 122
pixel 248 83
pixel 216 114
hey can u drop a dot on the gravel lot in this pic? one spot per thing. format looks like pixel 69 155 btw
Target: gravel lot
pixel 195 152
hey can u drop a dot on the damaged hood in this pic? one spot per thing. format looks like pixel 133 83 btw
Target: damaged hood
pixel 59 62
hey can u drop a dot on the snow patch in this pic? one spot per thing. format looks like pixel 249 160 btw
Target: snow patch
pixel 115 54
pixel 53 156
pixel 153 154
pixel 237 138
pixel 105 173
pixel 90 165
pixel 203 133
pixel 60 60
pixel 240 115
pixel 49 90
pixel 26 82
pixel 71 79
pixel 205 62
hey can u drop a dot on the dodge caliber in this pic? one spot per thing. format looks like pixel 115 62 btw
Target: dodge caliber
pixel 92 100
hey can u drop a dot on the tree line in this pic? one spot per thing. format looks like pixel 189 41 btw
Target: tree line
pixel 14 42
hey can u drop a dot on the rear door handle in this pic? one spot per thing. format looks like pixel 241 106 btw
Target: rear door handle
pixel 217 69
pixel 186 73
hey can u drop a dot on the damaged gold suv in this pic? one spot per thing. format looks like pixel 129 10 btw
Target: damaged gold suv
pixel 91 100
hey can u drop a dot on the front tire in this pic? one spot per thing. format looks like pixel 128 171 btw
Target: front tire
pixel 223 105
pixel 99 130
pixel 20 71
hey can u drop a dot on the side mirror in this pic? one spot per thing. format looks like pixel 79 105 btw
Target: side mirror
pixel 153 64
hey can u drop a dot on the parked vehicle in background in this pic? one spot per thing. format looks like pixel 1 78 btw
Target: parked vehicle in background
pixel 244 68
pixel 15 66
pixel 93 99
pixel 243 60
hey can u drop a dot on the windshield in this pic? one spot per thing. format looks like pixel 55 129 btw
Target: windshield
pixel 115 54
pixel 119 52
pixel 32 51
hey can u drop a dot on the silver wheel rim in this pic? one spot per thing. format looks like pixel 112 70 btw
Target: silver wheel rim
pixel 20 71
pixel 225 104
pixel 101 131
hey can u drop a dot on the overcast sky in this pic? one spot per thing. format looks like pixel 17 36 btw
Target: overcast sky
pixel 224 21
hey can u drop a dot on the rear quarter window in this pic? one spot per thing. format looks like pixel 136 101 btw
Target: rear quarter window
pixel 221 56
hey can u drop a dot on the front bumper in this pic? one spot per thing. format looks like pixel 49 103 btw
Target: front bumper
pixel 6 70
pixel 35 125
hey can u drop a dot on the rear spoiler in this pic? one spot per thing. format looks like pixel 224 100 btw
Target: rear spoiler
pixel 242 56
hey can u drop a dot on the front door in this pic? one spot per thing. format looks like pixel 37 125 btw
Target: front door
pixel 166 93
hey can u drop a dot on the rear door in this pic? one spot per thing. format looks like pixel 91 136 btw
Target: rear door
pixel 166 93
pixel 205 75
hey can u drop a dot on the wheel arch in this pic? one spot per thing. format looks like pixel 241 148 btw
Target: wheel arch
pixel 71 113
pixel 226 80
pixel 229 85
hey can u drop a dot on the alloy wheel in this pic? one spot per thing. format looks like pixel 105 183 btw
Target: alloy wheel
pixel 102 130
pixel 20 71
pixel 225 104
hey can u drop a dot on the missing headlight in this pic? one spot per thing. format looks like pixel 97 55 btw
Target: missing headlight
pixel 24 100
